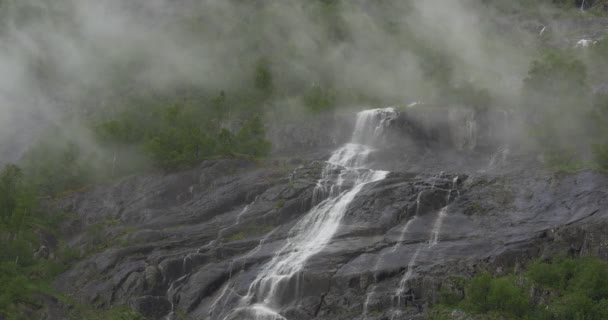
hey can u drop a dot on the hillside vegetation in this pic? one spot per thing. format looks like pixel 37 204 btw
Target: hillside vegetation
pixel 564 288
pixel 146 129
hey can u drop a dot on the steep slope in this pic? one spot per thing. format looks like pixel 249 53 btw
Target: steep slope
pixel 192 244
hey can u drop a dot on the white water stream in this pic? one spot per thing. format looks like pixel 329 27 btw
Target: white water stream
pixel 380 260
pixel 433 241
pixel 344 176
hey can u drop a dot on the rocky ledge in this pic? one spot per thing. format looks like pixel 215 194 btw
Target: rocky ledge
pixel 189 244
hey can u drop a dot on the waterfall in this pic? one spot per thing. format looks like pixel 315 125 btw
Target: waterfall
pixel 174 284
pixel 497 159
pixel 406 228
pixel 418 199
pixel 410 267
pixel 371 125
pixel 433 241
pixel 406 277
pixel 437 226
pixel 342 179
pixel 220 300
pixel 371 292
pixel 442 214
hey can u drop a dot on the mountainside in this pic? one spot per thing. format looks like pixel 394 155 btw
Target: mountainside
pixel 303 159
pixel 191 244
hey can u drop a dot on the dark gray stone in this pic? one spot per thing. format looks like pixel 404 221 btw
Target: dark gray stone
pixel 153 308
pixel 195 240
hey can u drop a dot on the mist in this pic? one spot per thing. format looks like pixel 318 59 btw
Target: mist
pixel 66 61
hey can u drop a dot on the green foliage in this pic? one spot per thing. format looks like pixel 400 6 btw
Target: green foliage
pixel 280 204
pixel 507 297
pixel 438 69
pixel 469 95
pixel 452 292
pixel 121 314
pixel 478 291
pixel 575 306
pixel 13 206
pixel 318 99
pixel 236 237
pixel 590 278
pixel 21 275
pixel 81 312
pixel 600 153
pixel 375 313
pixel 599 130
pixel 556 94
pixel 577 289
pixel 24 277
pixel 65 160
pixel 569 124
pixel 567 3
pixel 220 109
pixel 182 142
pixel 182 134
pixel 555 75
pixel 119 132
pixel 503 295
pixel 54 167
pixel 251 138
pixel 179 147
pixel 226 143
pixel 550 275
pixel 15 289
pixel 263 80
pixel 249 231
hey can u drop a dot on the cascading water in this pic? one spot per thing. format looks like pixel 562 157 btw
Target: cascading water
pixel 406 228
pixel 497 159
pixel 342 179
pixel 380 260
pixel 219 304
pixel 433 241
pixel 442 214
pixel 437 226
pixel 173 286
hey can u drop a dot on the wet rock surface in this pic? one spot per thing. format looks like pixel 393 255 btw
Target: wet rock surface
pixel 192 242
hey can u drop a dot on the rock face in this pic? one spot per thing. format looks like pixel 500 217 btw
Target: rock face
pixel 308 135
pixel 191 243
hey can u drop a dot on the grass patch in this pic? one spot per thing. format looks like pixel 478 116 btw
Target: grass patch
pixel 280 204
pixel 570 289
pixel 248 232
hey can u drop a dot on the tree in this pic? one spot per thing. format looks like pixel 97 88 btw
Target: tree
pixel 251 138
pixel 10 179
pixel 263 80
pixel 556 94
pixel 507 297
pixel 180 147
pixel 54 167
pixel 219 109
pixel 599 130
pixel 226 143
pixel 557 75
pixel 478 291
pixel 318 99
